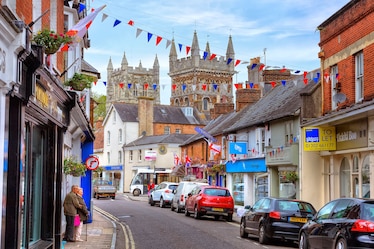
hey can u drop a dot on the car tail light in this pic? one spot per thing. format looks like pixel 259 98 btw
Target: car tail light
pixel 363 226
pixel 275 215
pixel 182 198
pixel 167 191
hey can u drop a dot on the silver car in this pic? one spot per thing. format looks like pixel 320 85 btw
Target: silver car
pixel 163 194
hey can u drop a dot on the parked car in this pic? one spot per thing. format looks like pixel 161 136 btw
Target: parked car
pixel 102 188
pixel 341 223
pixel 180 194
pixel 210 200
pixel 162 194
pixel 276 218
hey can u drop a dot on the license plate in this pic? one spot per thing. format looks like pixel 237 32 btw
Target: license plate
pixel 217 209
pixel 298 219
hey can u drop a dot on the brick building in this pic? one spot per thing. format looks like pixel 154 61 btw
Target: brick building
pixel 341 165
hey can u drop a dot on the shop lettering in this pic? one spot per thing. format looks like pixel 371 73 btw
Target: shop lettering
pixel 346 136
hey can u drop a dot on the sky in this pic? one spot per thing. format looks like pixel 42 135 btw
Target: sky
pixel 283 33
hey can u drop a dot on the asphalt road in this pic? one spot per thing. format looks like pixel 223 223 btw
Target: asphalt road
pixel 141 226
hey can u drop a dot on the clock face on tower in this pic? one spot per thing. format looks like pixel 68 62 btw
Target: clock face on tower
pixel 162 149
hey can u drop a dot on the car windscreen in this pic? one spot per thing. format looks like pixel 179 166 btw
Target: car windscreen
pixel 367 211
pixel 216 192
pixel 172 187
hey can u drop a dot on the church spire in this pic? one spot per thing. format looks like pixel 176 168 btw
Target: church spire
pixel 124 62
pixel 230 50
pixel 195 50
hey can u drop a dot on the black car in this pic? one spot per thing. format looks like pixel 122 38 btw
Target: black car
pixel 341 223
pixel 276 218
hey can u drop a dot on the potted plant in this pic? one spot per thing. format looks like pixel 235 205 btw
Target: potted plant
pixel 74 168
pixel 50 40
pixel 79 81
pixel 291 176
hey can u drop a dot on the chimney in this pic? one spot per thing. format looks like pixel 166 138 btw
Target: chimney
pixel 247 96
pixel 145 115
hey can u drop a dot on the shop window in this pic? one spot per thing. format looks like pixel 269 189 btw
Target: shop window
pixel 262 187
pixel 238 189
pixel 365 176
pixel 345 182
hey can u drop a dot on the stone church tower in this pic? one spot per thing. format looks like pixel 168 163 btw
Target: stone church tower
pixel 201 81
pixel 127 83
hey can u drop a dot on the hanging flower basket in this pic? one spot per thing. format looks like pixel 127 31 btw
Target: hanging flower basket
pixel 74 168
pixel 216 168
pixel 50 40
pixel 79 82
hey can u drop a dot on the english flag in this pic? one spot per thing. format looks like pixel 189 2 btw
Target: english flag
pixel 188 161
pixel 233 158
pixel 80 29
pixel 215 148
pixel 176 160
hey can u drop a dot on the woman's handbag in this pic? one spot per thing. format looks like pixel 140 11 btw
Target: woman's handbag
pixel 77 220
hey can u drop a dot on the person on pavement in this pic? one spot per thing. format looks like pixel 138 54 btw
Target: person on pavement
pixel 83 215
pixel 71 204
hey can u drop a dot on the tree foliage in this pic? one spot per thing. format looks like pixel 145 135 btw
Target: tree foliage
pixel 100 108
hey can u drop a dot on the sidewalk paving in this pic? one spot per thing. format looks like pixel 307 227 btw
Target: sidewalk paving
pixel 101 232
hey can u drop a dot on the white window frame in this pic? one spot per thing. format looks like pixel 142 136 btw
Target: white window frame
pixel 120 136
pixel 359 76
pixel 131 155
pixel 167 130
pixel 333 72
pixel 108 138
pixel 140 155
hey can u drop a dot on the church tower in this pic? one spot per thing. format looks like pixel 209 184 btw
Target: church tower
pixel 127 83
pixel 201 80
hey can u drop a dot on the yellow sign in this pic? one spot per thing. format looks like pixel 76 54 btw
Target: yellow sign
pixel 319 138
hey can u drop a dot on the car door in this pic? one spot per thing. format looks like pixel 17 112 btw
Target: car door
pixel 255 213
pixel 314 228
pixel 335 223
pixel 191 196
pixel 158 191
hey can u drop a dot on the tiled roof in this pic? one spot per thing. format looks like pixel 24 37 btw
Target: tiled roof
pixel 281 101
pixel 161 114
pixel 160 139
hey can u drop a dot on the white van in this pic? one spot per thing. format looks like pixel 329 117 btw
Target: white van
pixel 180 194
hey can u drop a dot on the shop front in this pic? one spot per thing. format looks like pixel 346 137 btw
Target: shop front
pixel 38 115
pixel 113 174
pixel 247 180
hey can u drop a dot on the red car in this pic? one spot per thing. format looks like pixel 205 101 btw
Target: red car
pixel 210 200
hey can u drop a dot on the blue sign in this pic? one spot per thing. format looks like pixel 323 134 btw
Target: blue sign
pixel 237 148
pixel 113 167
pixel 246 166
pixel 312 135
pixel 205 134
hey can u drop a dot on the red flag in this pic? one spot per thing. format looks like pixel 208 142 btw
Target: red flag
pixel 261 67
pixel 212 56
pixel 237 62
pixel 131 23
pixel 176 160
pixel 204 87
pixel 80 29
pixel 158 40
pixel 215 148
pixel 121 85
pixel 187 49
pixel 146 86
pixel 174 86
pixel 188 161
pixel 273 83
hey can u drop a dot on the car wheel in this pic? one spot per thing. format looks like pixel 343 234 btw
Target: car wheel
pixel 262 239
pixel 229 218
pixel 177 209
pixel 196 213
pixel 172 208
pixel 136 192
pixel 113 197
pixel 341 244
pixel 151 202
pixel 303 243
pixel 243 233
pixel 162 204
pixel 186 213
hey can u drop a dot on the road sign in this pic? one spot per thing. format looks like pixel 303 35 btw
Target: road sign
pixel 92 163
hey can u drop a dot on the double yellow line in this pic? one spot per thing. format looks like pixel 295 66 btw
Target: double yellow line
pixel 129 240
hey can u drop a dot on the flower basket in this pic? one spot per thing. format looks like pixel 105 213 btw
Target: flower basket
pixel 291 176
pixel 216 168
pixel 74 168
pixel 50 40
pixel 79 82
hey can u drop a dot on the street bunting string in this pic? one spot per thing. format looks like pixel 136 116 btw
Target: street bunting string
pixel 85 25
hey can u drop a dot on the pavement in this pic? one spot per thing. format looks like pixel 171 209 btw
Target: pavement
pixel 101 232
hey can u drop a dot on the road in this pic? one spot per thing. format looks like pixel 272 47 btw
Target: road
pixel 141 226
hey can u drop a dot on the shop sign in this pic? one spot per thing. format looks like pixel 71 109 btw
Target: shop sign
pixel 150 155
pixel 319 138
pixel 352 135
pixel 238 148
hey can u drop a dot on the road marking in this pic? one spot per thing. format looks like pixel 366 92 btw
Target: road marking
pixel 129 239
